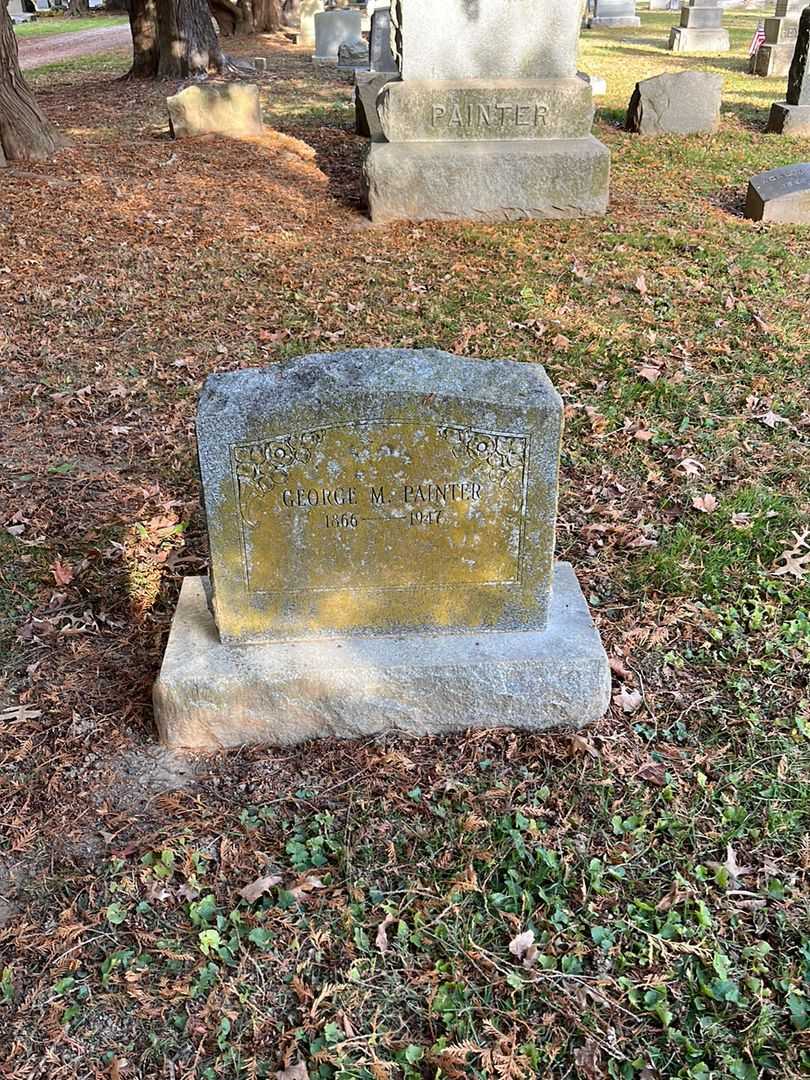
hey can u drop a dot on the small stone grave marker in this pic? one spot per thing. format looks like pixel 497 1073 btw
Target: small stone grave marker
pixel 781 195
pixel 679 103
pixel 230 108
pixel 381 526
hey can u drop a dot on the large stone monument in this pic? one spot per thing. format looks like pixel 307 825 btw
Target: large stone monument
pixel 792 116
pixel 489 121
pixel 774 55
pixel 383 68
pixel 611 13
pixel 381 526
pixel 701 28
pixel 333 29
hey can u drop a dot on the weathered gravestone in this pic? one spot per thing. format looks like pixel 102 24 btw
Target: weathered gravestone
pixel 381 526
pixel 781 195
pixel 383 68
pixel 230 108
pixel 332 29
pixel 679 103
pixel 774 55
pixel 701 28
pixel 611 13
pixel 489 121
pixel 353 55
pixel 792 116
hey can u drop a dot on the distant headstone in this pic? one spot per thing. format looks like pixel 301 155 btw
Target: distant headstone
pixel 381 55
pixel 781 195
pixel 792 116
pixel 381 527
pixel 332 29
pixel 701 28
pixel 774 55
pixel 678 103
pixel 610 13
pixel 308 9
pixel 489 121
pixel 665 5
pixel 230 108
pixel 383 69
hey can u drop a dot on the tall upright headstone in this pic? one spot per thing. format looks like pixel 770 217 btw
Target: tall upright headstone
pixel 383 68
pixel 774 55
pixel 792 116
pixel 611 13
pixel 701 28
pixel 381 526
pixel 490 121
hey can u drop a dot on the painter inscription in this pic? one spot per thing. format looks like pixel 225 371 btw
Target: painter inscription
pixel 381 505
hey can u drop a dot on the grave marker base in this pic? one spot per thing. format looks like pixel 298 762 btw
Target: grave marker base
pixel 788 119
pixel 691 39
pixel 210 695
pixel 487 181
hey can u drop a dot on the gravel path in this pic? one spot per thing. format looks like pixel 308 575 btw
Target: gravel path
pixel 53 48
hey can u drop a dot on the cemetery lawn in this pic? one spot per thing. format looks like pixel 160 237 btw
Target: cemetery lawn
pixel 45 25
pixel 628 903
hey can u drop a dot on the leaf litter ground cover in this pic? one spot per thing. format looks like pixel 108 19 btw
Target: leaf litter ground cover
pixel 629 902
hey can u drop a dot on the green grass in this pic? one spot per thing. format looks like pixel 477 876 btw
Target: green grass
pixel 660 861
pixel 57 24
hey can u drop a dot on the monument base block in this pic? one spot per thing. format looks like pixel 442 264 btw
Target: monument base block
pixel 609 21
pixel 694 39
pixel 211 695
pixel 487 181
pixel 789 119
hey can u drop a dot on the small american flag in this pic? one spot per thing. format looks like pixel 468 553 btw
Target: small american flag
pixel 757 40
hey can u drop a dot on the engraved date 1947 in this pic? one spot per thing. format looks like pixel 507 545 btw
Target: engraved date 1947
pixel 414 518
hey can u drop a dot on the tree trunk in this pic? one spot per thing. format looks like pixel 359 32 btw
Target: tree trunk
pixel 25 134
pixel 143 25
pixel 247 16
pixel 78 9
pixel 173 39
pixel 187 41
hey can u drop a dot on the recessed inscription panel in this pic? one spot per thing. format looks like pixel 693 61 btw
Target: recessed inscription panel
pixel 382 505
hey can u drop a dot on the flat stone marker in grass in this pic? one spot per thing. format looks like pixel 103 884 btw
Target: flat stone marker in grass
pixel 679 103
pixel 489 121
pixel 781 195
pixel 701 28
pixel 381 526
pixel 792 116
